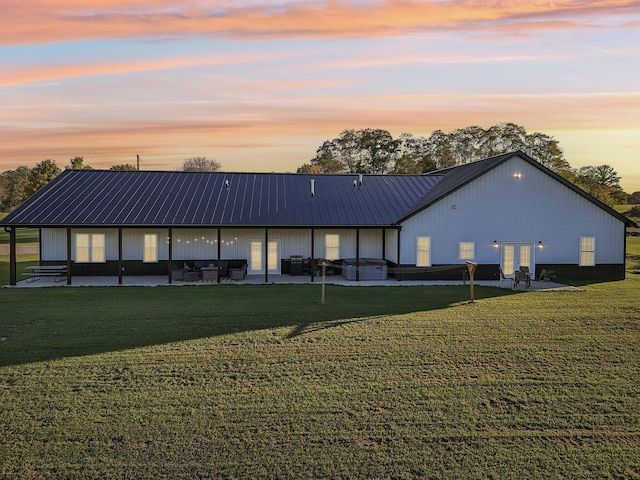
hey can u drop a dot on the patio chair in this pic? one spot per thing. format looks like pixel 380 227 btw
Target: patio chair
pixel 503 277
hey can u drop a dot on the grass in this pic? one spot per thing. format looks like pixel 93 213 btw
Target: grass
pixel 23 235
pixel 395 382
pixel 263 381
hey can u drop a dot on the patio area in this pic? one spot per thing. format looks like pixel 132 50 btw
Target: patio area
pixel 161 280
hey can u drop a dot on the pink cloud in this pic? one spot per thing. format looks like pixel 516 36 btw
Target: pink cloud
pixel 44 21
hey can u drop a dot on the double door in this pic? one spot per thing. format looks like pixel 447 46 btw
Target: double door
pixel 516 255
pixel 258 255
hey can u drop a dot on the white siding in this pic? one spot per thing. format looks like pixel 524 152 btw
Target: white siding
pixel 53 242
pixel 532 208
pixel 133 243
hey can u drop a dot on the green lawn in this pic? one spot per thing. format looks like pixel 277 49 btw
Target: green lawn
pixel 23 235
pixel 236 381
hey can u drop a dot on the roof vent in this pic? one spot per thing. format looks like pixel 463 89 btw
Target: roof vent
pixel 313 187
pixel 227 184
pixel 355 183
pixel 360 180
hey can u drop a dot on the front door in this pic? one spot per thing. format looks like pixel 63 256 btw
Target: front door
pixel 516 255
pixel 256 262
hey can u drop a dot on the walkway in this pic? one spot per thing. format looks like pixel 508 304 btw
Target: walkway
pixel 159 280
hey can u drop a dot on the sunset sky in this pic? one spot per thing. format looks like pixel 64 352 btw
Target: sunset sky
pixel 258 85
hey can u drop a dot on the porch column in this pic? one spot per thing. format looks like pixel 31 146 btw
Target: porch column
pixel 170 254
pixel 384 243
pixel 13 258
pixel 357 254
pixel 119 255
pixel 266 255
pixel 313 256
pixel 68 256
pixel 219 251
pixel 398 259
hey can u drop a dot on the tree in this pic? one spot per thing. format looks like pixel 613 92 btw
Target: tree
pixel 601 181
pixel 77 163
pixel 634 198
pixel 376 151
pixel 125 167
pixel 18 187
pixel 43 173
pixel 199 164
pixel 412 155
pixel 357 151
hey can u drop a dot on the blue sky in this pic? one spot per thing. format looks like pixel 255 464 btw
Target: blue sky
pixel 259 85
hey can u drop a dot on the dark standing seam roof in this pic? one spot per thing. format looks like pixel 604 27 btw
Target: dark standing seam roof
pixel 110 198
pixel 122 199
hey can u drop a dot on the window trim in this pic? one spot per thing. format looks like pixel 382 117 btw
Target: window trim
pixel 331 250
pixel 469 248
pixel 96 248
pixel 587 251
pixel 423 251
pixel 150 248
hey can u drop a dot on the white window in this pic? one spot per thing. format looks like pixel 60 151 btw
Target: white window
pixel 587 251
pixel 467 250
pixel 150 247
pixel 332 246
pixel 423 257
pixel 525 256
pixel 256 256
pixel 273 256
pixel 90 248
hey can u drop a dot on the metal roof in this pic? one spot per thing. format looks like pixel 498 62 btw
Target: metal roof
pixel 183 199
pixel 144 198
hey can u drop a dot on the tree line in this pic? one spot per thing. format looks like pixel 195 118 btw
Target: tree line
pixel 376 151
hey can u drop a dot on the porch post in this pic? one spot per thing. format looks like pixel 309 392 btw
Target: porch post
pixel 68 256
pixel 313 256
pixel 13 258
pixel 266 255
pixel 384 243
pixel 357 254
pixel 119 255
pixel 170 254
pixel 219 250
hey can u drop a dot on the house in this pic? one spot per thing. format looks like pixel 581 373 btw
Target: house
pixel 504 212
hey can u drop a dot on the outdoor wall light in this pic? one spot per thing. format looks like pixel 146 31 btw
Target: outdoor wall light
pixel 495 244
pixel 540 244
pixel 517 176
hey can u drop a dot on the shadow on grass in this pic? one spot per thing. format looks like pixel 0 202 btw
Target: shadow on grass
pixel 47 324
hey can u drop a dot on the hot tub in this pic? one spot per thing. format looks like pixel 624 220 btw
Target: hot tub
pixel 370 269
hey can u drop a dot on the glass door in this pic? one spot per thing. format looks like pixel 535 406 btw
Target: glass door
pixel 516 255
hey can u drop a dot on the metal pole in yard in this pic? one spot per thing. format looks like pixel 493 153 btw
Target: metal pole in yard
pixel 471 266
pixel 324 276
